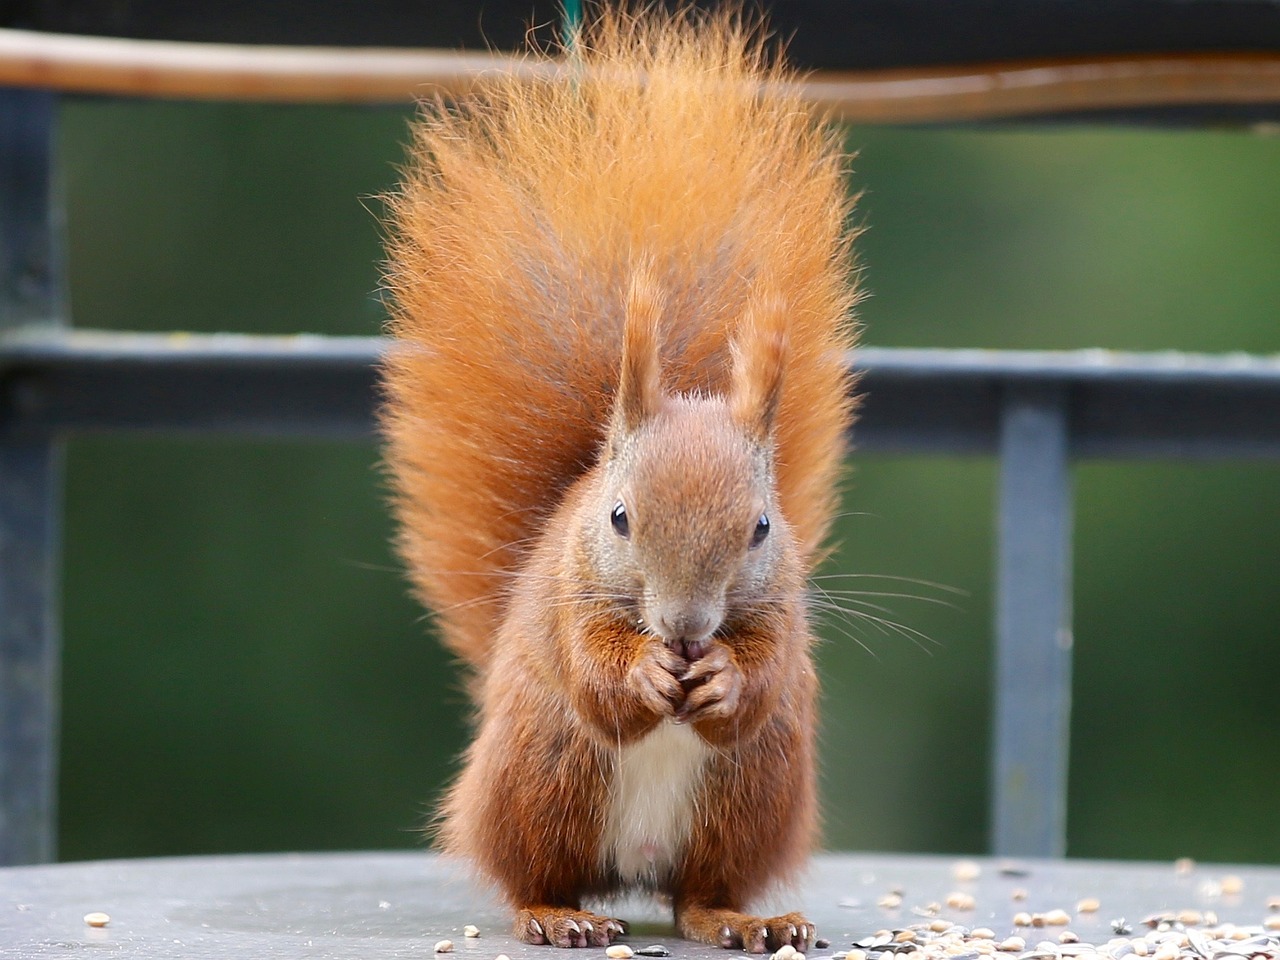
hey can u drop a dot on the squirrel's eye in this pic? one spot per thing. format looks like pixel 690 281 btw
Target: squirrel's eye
pixel 618 517
pixel 761 531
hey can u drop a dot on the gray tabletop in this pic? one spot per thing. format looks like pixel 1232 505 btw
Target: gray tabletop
pixel 379 905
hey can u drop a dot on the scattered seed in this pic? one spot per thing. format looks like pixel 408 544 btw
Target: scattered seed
pixel 1066 936
pixel 940 926
pixel 1057 918
pixel 471 930
pixel 1088 905
pixel 983 933
pixel 1190 918
pixel 654 950
pixel 821 943
pixel 1018 893
pixel 966 870
pixel 1183 866
pixel 1231 884
pixel 1120 927
pixel 1272 923
pixel 959 900
pixel 444 946
pixel 1013 944
pixel 890 901
pixel 502 956
pixel 1022 919
pixel 620 951
pixel 855 955
pixel 97 919
pixel 1273 903
pixel 788 952
pixel 905 936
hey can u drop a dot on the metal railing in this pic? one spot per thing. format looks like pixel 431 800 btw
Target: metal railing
pixel 1038 412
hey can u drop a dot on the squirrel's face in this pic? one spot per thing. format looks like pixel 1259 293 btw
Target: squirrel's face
pixel 687 532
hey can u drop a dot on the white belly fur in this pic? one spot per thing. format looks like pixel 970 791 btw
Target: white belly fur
pixel 651 803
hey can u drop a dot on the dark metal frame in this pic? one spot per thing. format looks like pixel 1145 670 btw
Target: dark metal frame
pixel 1036 411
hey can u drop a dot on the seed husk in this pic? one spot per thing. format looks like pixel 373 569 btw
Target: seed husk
pixel 654 950
pixel 1089 905
pixel 959 900
pixel 1231 884
pixel 471 930
pixel 444 946
pixel 620 951
pixel 97 919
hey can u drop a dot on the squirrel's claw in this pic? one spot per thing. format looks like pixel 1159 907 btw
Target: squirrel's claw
pixel 713 687
pixel 566 927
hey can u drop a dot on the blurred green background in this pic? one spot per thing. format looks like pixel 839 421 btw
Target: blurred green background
pixel 243 670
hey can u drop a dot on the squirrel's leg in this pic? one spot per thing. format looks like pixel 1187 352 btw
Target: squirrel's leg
pixel 769 784
pixel 733 930
pixel 566 927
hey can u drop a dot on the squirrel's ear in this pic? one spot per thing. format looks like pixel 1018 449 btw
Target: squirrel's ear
pixel 759 360
pixel 639 384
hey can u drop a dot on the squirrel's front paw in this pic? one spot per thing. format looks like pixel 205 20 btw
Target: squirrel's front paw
pixel 656 679
pixel 712 685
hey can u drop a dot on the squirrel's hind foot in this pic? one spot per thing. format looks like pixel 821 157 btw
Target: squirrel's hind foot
pixel 733 930
pixel 566 927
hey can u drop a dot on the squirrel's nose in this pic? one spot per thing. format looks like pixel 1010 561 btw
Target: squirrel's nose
pixel 689 627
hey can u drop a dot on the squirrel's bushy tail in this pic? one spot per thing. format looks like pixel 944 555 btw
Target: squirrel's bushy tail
pixel 667 143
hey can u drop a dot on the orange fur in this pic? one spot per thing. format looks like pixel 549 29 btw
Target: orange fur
pixel 523 215
pixel 614 422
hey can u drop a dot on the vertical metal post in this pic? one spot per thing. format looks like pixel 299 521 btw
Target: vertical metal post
pixel 1033 627
pixel 30 492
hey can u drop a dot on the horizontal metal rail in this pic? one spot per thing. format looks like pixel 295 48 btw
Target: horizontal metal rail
pixel 1118 405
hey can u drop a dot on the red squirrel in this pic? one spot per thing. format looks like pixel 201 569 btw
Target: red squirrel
pixel 621 296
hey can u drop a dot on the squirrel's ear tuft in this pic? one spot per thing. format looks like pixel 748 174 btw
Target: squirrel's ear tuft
pixel 759 361
pixel 639 394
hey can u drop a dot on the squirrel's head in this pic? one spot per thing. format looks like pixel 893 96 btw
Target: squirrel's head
pixel 688 525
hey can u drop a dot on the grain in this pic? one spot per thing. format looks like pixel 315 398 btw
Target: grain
pixel 890 901
pixel 97 919
pixel 1183 866
pixel 1272 923
pixel 1057 918
pixel 444 946
pixel 1089 905
pixel 620 951
pixel 1231 884
pixel 966 870
pixel 959 900
pixel 471 930
pixel 1022 919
